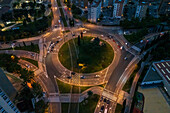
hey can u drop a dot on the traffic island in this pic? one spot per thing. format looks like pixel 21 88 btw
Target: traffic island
pixel 86 55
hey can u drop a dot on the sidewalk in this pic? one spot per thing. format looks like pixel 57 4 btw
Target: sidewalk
pixel 132 90
pixel 75 98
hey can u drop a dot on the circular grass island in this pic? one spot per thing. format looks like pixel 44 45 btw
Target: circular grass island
pixel 87 55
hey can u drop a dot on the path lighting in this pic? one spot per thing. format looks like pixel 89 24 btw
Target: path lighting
pixel 12 57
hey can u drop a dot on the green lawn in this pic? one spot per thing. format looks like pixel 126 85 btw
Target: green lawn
pixel 64 107
pixel 63 87
pixel 89 104
pixel 74 108
pixel 136 37
pixel 87 55
pixel 119 108
pixel 32 48
pixel 129 82
pixel 63 17
pixel 31 61
pixel 66 56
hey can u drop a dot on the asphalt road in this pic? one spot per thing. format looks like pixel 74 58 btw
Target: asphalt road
pixel 117 72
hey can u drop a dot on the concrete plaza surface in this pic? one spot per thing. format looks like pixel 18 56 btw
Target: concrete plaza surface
pixel 154 101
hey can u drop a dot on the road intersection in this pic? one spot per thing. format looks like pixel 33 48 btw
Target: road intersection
pixel 115 75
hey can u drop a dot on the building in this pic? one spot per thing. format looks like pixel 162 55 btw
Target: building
pixel 158 73
pixel 6 105
pixel 94 11
pixel 129 10
pixel 105 3
pixel 7 95
pixel 153 9
pixel 118 9
pixel 164 7
pixel 141 10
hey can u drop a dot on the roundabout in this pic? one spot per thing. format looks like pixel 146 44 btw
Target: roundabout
pixel 86 55
pixel 71 65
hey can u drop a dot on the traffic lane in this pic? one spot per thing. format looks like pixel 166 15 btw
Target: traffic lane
pixel 48 83
pixel 22 53
pixel 118 71
pixel 51 70
pixel 103 105
pixel 55 107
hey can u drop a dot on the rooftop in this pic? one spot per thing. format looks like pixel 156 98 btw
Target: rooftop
pixel 95 3
pixel 163 68
pixel 152 75
pixel 6 85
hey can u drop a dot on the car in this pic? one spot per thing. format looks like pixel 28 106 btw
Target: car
pixel 102 108
pixel 56 42
pixel 84 31
pixel 105 100
pixel 97 76
pixel 126 43
pixel 69 77
pixel 73 34
pixel 58 37
pixel 108 101
pixel 82 77
pixel 56 26
pixel 102 35
pixel 44 94
pixel 101 99
pixel 73 73
pixel 125 58
pixel 121 47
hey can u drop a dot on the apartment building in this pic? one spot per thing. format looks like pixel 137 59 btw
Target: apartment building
pixel 164 7
pixel 7 95
pixel 94 11
pixel 118 9
pixel 105 3
pixel 6 105
pixel 141 10
pixel 158 73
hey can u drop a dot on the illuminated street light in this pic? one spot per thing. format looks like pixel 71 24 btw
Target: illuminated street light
pixel 12 57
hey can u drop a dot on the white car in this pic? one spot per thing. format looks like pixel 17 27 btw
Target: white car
pixel 84 31
pixel 58 37
pixel 97 76
pixel 121 47
pixel 125 58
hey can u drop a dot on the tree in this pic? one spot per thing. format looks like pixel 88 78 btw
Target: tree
pixel 37 90
pixel 24 5
pixel 40 106
pixel 7 17
pixel 90 93
pixel 26 75
pixel 78 40
pixel 24 22
pixel 24 44
pixel 49 5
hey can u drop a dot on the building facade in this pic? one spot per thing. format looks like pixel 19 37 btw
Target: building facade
pixel 118 9
pixel 158 73
pixel 94 11
pixel 105 3
pixel 164 7
pixel 6 105
pixel 141 10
